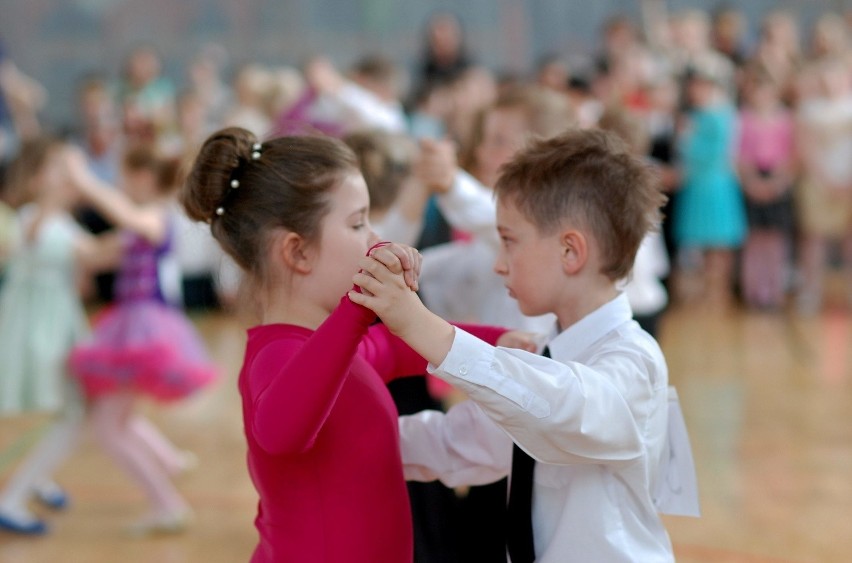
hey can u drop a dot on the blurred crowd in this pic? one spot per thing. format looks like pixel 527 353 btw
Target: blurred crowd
pixel 748 124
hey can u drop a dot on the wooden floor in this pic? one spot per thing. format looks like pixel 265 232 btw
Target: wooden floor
pixel 767 399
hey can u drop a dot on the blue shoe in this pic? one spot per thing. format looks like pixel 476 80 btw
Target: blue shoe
pixel 54 498
pixel 34 528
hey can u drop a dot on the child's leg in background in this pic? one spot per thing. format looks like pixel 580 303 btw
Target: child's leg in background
pixel 778 267
pixel 812 264
pixel 112 416
pixel 718 271
pixel 764 268
pixel 172 459
pixel 36 472
pixel 754 268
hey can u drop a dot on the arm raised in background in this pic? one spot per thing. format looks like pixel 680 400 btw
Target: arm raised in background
pixel 148 221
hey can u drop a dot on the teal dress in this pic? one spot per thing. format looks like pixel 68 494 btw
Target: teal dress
pixel 41 316
pixel 710 209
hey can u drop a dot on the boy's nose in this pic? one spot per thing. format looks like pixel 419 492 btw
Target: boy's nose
pixel 500 266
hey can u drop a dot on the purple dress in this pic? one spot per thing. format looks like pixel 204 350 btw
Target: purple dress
pixel 142 344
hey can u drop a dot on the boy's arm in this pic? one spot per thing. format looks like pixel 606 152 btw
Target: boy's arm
pixel 461 447
pixel 559 413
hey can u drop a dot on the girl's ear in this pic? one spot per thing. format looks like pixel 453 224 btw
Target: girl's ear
pixel 575 251
pixel 292 251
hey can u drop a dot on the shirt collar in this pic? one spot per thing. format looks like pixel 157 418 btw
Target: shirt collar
pixel 571 342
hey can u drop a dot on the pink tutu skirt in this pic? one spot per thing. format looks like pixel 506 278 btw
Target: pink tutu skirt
pixel 144 347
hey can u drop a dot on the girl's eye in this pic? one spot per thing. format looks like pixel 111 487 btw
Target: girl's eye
pixel 359 226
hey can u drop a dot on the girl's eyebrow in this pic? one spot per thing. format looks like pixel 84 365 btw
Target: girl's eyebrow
pixel 360 212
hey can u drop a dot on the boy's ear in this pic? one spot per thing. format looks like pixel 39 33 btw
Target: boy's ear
pixel 291 249
pixel 575 251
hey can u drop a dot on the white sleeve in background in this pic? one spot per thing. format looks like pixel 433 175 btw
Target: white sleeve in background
pixel 227 279
pixel 453 280
pixel 364 110
pixel 644 288
pixel 469 206
pixel 558 413
pixel 461 447
pixel 394 227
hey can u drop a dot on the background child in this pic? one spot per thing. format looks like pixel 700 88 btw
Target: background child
pixel 644 287
pixel 397 197
pixel 824 195
pixel 142 345
pixel 710 214
pixel 41 318
pixel 572 212
pixel 766 165
pixel 323 448
pixel 458 281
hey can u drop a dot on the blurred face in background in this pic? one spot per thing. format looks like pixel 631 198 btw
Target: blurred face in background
pixel 503 132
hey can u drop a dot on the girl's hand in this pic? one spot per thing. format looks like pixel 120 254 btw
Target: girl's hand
pixel 386 292
pixel 399 259
pixel 528 341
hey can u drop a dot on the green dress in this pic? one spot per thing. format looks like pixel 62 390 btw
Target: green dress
pixel 41 315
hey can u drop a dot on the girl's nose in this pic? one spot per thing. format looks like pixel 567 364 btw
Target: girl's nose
pixel 373 238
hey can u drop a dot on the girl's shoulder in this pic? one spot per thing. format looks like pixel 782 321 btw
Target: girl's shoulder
pixel 275 338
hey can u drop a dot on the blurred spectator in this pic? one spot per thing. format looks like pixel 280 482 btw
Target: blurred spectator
pixel 147 98
pixel 444 50
pixel 21 98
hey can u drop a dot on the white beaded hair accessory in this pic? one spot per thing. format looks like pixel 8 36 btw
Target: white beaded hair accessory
pixel 235 183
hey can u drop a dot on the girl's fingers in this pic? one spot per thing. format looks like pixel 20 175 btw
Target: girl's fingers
pixel 367 283
pixel 389 258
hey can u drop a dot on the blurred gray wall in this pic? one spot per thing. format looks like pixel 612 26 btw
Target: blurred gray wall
pixel 56 41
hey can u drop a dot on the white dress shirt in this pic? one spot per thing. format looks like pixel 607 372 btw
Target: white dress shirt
pixel 594 417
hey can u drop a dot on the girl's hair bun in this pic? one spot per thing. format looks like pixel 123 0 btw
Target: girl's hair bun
pixel 210 178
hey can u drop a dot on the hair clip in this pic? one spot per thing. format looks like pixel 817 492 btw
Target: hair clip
pixel 255 151
pixel 235 184
pixel 220 211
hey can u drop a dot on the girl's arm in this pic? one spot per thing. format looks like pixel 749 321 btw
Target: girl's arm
pixel 292 408
pixel 146 221
pixel 292 405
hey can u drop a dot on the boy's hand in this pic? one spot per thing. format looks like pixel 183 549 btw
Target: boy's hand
pixel 399 259
pixel 528 341
pixel 386 292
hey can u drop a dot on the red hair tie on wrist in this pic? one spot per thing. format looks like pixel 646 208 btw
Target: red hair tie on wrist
pixel 378 245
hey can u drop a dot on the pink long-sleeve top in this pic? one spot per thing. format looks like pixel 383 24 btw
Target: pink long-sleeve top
pixel 323 439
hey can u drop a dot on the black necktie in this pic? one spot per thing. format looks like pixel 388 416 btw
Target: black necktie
pixel 519 536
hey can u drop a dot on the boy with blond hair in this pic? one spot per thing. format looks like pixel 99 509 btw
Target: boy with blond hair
pixel 590 421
